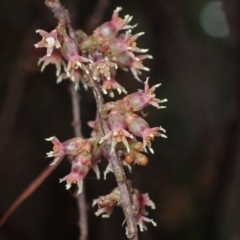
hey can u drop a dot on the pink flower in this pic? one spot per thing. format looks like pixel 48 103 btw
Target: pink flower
pixel 125 43
pixel 103 68
pixel 117 125
pixel 49 40
pixel 140 201
pixel 71 53
pixel 110 29
pixel 135 64
pixel 141 99
pixel 74 75
pixel 54 58
pixel 140 128
pixel 109 85
pixel 72 146
pixel 79 170
pixel 107 203
pixel 97 127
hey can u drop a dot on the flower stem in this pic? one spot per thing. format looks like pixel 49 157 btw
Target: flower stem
pixel 81 198
pixel 117 167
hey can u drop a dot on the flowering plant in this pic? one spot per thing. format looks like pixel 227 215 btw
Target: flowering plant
pixel 93 62
pixel 120 134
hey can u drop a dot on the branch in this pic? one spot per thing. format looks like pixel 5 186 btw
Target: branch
pixel 29 190
pixel 62 15
pixel 76 112
pixel 81 198
pixel 119 173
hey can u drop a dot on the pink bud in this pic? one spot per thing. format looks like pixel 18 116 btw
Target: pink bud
pixel 49 40
pixel 140 128
pixel 140 201
pixel 135 64
pixel 125 43
pixel 117 125
pixel 141 99
pixel 70 52
pixel 107 203
pixel 80 168
pixel 110 29
pixel 72 146
pixel 55 58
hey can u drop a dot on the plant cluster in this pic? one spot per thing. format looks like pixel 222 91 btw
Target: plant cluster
pixel 119 126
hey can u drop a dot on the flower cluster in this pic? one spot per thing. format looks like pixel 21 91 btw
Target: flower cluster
pixel 125 125
pixel 107 203
pixel 85 153
pixel 97 57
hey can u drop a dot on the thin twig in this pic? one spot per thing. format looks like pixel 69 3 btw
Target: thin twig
pixel 81 198
pixel 119 173
pixel 76 112
pixel 62 15
pixel 29 190
pixel 96 17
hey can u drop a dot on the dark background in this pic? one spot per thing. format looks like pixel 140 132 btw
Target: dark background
pixel 194 175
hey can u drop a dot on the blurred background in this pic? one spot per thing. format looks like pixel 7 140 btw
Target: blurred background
pixel 194 175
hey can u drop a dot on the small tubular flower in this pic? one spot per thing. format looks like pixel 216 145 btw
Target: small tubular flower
pixel 109 85
pixel 107 203
pixel 117 125
pixel 140 201
pixel 102 68
pixel 72 146
pixel 141 99
pixel 125 43
pixel 110 29
pixel 140 128
pixel 80 168
pixel 96 125
pixel 70 52
pixel 49 41
pixel 74 75
pixel 134 63
pixel 54 58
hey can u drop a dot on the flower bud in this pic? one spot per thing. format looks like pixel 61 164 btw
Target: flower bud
pixel 49 40
pixel 72 146
pixel 80 168
pixel 129 157
pixel 110 29
pixel 141 159
pixel 141 99
pixel 140 128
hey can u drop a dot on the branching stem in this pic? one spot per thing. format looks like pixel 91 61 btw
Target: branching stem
pixel 118 170
pixel 63 16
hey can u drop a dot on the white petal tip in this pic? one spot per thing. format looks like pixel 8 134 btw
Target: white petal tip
pixel 50 138
pixel 163 135
pixel 151 150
